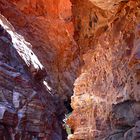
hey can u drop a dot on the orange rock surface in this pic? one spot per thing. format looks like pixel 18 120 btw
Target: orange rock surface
pixel 85 52
pixel 107 92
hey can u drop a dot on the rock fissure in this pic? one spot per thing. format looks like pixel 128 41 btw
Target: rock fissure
pixel 73 57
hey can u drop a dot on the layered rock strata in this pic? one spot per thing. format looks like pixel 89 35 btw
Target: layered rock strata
pixel 27 110
pixel 48 26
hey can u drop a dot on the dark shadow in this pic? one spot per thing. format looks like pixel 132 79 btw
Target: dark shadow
pixel 68 106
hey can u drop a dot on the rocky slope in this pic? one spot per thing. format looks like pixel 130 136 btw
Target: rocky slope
pixel 50 47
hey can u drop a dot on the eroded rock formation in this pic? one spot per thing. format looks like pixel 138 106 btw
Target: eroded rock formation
pixel 107 92
pixel 27 110
pixel 39 68
pixel 48 27
pixel 47 46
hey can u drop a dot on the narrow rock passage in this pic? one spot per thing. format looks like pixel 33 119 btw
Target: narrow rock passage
pixel 71 60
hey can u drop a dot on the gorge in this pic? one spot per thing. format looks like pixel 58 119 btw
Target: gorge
pixel 76 57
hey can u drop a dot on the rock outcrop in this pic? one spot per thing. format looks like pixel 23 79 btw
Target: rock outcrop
pixel 48 27
pixel 106 98
pixel 40 70
pixel 27 110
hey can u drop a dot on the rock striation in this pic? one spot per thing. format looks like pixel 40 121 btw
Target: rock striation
pixel 27 110
pixel 48 26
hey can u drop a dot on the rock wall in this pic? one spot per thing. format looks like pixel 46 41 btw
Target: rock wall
pixel 48 27
pixel 43 57
pixel 107 92
pixel 49 47
pixel 27 110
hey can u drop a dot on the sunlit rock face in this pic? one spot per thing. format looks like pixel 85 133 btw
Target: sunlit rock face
pixel 107 4
pixel 48 26
pixel 27 110
pixel 92 45
pixel 106 98
pixel 48 30
pixel 39 70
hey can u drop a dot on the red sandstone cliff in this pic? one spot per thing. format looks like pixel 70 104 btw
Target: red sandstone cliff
pixel 107 92
pixel 54 49
pixel 37 69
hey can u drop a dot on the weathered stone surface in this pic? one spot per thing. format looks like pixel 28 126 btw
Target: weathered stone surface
pixel 101 36
pixel 48 26
pixel 107 92
pixel 26 107
pixel 108 4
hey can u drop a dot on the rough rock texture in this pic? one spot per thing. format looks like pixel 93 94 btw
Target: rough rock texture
pixel 39 91
pixel 106 98
pixel 47 26
pixel 26 108
pixel 106 5
pixel 36 78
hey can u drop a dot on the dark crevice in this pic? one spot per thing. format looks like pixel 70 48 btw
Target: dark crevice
pixel 68 106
